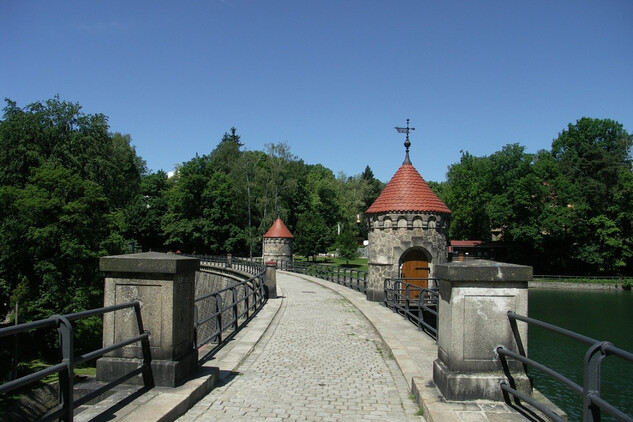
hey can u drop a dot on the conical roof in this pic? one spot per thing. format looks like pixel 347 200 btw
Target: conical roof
pixel 407 191
pixel 279 229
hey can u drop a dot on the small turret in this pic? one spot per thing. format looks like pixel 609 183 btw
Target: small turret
pixel 408 229
pixel 277 244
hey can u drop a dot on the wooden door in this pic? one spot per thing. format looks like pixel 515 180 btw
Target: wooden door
pixel 416 265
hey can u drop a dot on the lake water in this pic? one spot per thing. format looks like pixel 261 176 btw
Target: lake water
pixel 605 315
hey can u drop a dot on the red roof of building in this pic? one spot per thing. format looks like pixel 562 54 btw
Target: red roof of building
pixel 407 191
pixel 466 243
pixel 279 229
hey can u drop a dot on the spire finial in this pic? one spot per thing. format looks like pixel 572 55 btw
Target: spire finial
pixel 407 143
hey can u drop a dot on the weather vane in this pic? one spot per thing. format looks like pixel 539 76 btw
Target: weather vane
pixel 407 144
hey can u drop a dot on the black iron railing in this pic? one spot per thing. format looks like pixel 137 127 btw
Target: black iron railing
pixel 227 261
pixel 351 278
pixel 228 308
pixel 65 369
pixel 593 404
pixel 416 303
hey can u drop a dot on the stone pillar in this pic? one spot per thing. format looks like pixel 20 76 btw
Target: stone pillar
pixel 474 299
pixel 164 284
pixel 271 279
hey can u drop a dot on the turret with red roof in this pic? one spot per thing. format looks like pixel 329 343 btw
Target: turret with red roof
pixel 408 228
pixel 277 244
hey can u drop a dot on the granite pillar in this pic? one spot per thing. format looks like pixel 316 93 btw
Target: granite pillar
pixel 270 280
pixel 164 284
pixel 474 299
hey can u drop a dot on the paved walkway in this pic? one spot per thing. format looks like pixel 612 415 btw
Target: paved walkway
pixel 322 352
pixel 320 361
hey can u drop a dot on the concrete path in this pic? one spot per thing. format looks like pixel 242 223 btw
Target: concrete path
pixel 320 360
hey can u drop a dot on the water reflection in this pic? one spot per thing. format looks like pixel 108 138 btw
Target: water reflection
pixel 603 315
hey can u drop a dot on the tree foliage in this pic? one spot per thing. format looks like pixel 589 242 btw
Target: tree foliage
pixel 72 192
pixel 563 211
pixel 64 182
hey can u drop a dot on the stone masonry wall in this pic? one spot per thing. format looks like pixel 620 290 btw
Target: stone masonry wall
pixel 392 234
pixel 277 249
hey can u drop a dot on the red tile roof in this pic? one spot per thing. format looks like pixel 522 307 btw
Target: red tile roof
pixel 466 243
pixel 279 229
pixel 407 191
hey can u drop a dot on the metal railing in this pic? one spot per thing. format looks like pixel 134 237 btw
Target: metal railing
pixel 351 278
pixel 418 304
pixel 593 404
pixel 241 264
pixel 229 307
pixel 65 369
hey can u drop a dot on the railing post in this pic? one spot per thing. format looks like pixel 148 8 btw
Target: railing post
pixel 365 283
pixel 148 376
pixel 472 321
pixel 420 311
pixel 247 295
pixel 218 309
pixel 164 285
pixel 195 325
pixel 591 384
pixel 66 377
pixel 235 310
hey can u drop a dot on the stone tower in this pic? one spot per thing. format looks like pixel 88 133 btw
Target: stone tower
pixel 408 230
pixel 278 243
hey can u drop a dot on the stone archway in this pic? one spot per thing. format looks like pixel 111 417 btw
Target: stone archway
pixel 415 263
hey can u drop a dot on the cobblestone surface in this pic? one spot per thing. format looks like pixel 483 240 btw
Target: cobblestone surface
pixel 320 361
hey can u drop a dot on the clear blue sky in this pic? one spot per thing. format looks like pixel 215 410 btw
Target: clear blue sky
pixel 329 78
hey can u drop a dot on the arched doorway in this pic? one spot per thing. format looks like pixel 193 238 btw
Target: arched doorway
pixel 414 265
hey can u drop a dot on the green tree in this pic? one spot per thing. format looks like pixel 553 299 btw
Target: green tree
pixel 372 187
pixel 184 223
pixel 591 153
pixel 346 243
pixel 143 215
pixel 227 152
pixel 311 235
pixel 223 217
pixel 206 205
pixel 467 197
pixel 63 183
pixel 249 169
pixel 594 157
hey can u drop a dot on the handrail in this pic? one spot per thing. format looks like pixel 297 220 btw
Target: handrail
pixel 418 304
pixel 241 264
pixel 593 404
pixel 243 300
pixel 65 369
pixel 348 277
